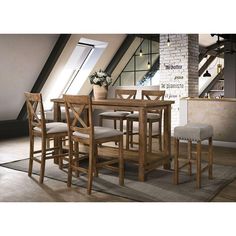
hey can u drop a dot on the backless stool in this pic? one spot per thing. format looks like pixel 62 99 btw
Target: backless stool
pixel 193 132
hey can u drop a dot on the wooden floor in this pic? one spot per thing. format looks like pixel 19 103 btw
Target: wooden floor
pixel 16 186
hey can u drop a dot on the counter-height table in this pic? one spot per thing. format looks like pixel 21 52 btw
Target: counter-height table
pixel 146 161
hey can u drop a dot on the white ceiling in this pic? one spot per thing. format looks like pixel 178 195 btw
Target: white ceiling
pixel 206 39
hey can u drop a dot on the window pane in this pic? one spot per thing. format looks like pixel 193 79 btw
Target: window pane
pixel 155 47
pixel 154 57
pixel 130 65
pixel 141 62
pixel 140 80
pixel 127 78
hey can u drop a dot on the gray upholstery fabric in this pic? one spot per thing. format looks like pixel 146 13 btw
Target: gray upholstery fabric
pixel 115 113
pixel 151 116
pixel 54 127
pixel 193 131
pixel 100 132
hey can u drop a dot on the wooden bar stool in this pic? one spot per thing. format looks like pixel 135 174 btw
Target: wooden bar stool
pixel 193 132
pixel 81 130
pixel 38 127
pixel 153 116
pixel 118 115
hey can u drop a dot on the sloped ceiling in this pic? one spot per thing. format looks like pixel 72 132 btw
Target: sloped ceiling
pixel 22 58
pixel 206 40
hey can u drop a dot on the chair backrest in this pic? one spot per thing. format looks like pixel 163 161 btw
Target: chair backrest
pixel 154 95
pixel 79 115
pixel 125 93
pixel 35 111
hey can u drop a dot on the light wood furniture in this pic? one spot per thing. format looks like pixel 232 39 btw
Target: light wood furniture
pixel 118 115
pixel 39 128
pixel 82 131
pixel 146 161
pixel 153 116
pixel 193 132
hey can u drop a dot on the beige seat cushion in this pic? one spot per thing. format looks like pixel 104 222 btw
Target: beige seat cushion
pixel 193 131
pixel 150 116
pixel 114 113
pixel 54 127
pixel 100 132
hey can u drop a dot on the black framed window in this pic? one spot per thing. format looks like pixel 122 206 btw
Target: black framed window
pixel 137 72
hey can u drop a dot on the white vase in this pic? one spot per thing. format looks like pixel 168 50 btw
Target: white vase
pixel 99 92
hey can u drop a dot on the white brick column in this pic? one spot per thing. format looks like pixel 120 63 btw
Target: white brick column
pixel 179 69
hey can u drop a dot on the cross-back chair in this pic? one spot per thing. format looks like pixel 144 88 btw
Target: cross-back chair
pixel 152 117
pixel 39 128
pixel 118 115
pixel 82 131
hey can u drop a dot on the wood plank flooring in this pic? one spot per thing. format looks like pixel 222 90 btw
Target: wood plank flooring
pixel 16 186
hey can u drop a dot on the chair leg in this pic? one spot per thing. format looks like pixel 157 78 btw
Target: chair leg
pixel 127 134
pixel 90 168
pixel 176 161
pixel 160 136
pixel 95 161
pixel 76 160
pixel 115 128
pixel 121 162
pixel 198 159
pixel 69 177
pixel 131 134
pixel 210 159
pixel 121 125
pixel 60 152
pixel 43 159
pixel 31 156
pixel 189 157
pixel 150 137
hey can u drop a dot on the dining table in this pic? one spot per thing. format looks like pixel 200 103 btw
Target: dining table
pixel 146 161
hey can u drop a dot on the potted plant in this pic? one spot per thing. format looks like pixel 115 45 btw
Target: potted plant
pixel 100 80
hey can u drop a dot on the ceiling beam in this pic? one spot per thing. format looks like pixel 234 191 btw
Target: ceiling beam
pixel 212 48
pixel 206 64
pixel 120 53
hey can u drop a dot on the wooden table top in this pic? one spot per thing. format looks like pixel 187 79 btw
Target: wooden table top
pixel 125 102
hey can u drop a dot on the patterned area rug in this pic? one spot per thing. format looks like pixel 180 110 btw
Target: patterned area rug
pixel 159 186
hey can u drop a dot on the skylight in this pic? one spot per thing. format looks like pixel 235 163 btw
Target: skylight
pixel 76 70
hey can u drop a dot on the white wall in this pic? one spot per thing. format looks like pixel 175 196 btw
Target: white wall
pixel 22 58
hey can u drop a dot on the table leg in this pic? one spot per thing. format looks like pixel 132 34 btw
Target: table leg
pixel 167 135
pixel 57 118
pixel 142 143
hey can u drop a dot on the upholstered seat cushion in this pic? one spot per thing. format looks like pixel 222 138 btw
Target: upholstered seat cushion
pixel 114 113
pixel 54 127
pixel 150 116
pixel 193 131
pixel 100 132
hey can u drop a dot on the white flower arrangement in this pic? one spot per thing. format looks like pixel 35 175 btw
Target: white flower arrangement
pixel 100 78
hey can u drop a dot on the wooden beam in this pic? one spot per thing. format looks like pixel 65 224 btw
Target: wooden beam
pixel 48 66
pixel 120 53
pixel 206 64
pixel 213 82
pixel 210 49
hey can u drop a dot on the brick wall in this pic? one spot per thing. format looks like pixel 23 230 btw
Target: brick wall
pixel 179 69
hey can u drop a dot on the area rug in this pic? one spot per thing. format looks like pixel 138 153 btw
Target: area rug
pixel 158 187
